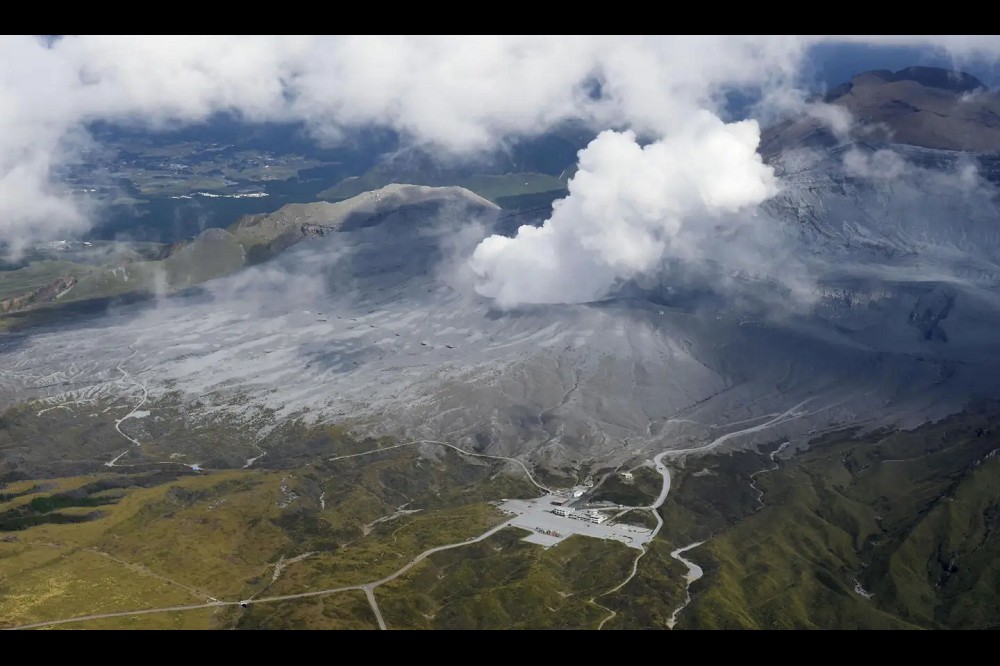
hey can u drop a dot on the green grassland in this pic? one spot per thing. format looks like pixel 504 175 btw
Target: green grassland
pixel 164 183
pixel 208 171
pixel 505 583
pixel 344 610
pixel 539 203
pixel 36 276
pixel 153 538
pixel 199 618
pixel 40 582
pixel 213 254
pixel 647 601
pixel 639 518
pixel 210 535
pixel 910 516
pixel 642 490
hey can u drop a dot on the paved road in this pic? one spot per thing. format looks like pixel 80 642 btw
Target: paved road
pixel 101 616
pixel 694 571
pixel 367 588
pixel 370 593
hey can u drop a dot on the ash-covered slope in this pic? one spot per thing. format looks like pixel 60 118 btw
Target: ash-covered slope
pixel 375 324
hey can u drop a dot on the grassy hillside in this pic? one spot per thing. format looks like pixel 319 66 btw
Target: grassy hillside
pixel 505 583
pixel 45 289
pixel 36 276
pixel 890 530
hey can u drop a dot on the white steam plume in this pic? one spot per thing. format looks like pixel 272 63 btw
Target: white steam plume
pixel 628 207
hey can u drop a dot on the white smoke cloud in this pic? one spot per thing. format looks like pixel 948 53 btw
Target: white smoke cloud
pixel 633 211
pixel 882 165
pixel 629 206
pixel 885 165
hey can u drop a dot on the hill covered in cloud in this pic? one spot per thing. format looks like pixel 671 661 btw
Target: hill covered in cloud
pixel 917 106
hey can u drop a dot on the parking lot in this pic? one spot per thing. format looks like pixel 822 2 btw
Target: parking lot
pixel 549 529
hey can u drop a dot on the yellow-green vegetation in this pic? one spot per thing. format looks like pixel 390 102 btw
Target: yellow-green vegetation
pixel 36 276
pixel 647 601
pixel 111 281
pixel 41 581
pixel 214 253
pixel 641 490
pixel 892 529
pixel 889 530
pixel 344 610
pixel 384 551
pixel 198 618
pixel 185 531
pixel 505 583
pixel 176 529
pixel 171 537
pixel 638 517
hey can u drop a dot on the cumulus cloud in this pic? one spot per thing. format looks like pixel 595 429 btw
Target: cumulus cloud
pixel 629 206
pixel 453 94
pixel 615 225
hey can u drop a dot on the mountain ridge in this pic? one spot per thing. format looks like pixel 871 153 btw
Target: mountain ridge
pixel 919 106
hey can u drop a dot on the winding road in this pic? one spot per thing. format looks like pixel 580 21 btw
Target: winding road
pixel 367 588
pixel 118 422
pixel 694 571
